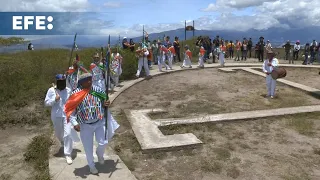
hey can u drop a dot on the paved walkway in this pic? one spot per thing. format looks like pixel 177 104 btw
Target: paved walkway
pixel 114 168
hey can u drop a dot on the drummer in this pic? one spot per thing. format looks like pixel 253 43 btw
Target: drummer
pixel 268 66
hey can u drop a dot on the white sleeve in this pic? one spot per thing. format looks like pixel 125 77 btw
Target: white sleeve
pixel 73 119
pixel 275 63
pixel 50 97
pixel 264 67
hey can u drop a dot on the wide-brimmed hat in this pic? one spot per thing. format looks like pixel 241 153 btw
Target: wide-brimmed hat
pixel 272 53
pixel 83 77
pixel 96 55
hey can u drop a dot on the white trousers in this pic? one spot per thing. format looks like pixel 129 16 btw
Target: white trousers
pixel 186 62
pixel 117 76
pixel 170 59
pixel 161 62
pixel 87 131
pixel 145 66
pixel 221 58
pixel 62 131
pixel 201 63
pixel 271 85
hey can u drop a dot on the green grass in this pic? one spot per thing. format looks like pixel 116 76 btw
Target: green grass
pixel 37 155
pixel 11 41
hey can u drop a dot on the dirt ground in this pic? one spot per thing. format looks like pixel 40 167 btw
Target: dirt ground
pixel 208 91
pixel 267 148
pixel 305 76
pixel 14 141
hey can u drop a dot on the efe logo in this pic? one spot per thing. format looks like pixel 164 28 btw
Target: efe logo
pixel 23 22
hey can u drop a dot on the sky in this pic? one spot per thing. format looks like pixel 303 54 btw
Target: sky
pixel 126 17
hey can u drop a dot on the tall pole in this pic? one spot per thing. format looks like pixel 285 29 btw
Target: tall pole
pixel 193 29
pixel 107 76
pixel 142 43
pixel 185 30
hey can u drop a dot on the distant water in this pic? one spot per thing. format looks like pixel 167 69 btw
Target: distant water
pixel 24 47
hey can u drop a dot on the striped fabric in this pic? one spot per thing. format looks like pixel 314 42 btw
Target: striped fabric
pixel 73 80
pixel 90 110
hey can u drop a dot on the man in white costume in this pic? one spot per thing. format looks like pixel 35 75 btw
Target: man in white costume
pixel 85 109
pixel 187 57
pixel 143 61
pixel 268 66
pixel 116 67
pixel 56 98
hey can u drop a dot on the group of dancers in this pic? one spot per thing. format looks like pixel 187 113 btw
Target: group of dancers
pixel 78 101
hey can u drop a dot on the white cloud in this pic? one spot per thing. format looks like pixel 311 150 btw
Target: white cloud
pixel 267 14
pixel 44 5
pixel 112 4
pixel 222 5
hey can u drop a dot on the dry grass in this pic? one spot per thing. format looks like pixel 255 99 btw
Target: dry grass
pixel 239 149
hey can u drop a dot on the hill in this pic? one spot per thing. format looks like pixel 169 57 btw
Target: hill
pixel 276 35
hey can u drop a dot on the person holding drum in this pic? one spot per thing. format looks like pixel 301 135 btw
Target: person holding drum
pixel 268 66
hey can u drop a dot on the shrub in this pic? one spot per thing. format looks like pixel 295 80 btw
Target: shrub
pixel 37 155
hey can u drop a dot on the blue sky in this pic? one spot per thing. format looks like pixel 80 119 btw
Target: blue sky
pixel 152 11
pixel 159 11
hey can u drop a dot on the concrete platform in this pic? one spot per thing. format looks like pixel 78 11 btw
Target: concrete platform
pixel 113 169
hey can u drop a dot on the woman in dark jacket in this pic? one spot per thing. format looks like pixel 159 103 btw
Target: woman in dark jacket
pixel 132 45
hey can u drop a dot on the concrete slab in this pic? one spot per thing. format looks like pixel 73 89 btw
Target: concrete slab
pixel 151 138
pixel 113 169
pixel 239 115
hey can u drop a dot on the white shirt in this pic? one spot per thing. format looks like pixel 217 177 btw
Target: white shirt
pixel 57 110
pixel 269 69
pixel 314 42
pixel 296 47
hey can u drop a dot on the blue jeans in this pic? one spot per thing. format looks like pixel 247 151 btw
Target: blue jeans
pixel 313 56
pixel 306 58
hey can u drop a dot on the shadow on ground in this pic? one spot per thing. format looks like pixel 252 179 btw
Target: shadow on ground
pixel 110 166
pixel 60 153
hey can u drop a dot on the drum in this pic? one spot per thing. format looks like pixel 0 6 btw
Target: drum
pixel 278 73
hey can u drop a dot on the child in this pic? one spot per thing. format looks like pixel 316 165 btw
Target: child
pixel 187 58
pixel 201 56
pixel 161 60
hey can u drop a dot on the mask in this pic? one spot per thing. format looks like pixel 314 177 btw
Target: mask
pixel 61 84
